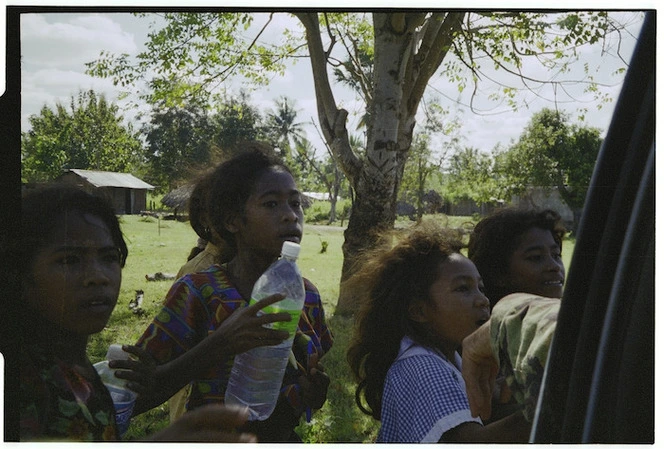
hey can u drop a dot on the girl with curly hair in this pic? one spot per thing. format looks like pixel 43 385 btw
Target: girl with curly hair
pixel 418 300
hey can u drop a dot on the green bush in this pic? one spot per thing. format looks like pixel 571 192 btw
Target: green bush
pixel 319 212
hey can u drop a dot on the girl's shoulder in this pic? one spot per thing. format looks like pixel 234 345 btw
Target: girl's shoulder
pixel 429 361
pixel 424 375
pixel 58 402
pixel 415 358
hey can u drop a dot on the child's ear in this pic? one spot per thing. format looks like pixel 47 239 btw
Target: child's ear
pixel 417 312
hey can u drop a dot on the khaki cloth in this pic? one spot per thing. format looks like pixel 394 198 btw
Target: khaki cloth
pixel 522 327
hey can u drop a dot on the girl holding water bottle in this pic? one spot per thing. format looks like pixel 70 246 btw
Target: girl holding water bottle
pixel 70 256
pixel 254 205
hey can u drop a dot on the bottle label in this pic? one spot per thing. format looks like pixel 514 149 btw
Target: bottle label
pixel 290 326
pixel 285 305
pixel 123 401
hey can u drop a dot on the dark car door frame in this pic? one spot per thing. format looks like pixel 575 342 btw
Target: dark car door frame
pixel 599 381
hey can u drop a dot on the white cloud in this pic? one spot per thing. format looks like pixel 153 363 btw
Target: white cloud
pixel 72 40
pixel 56 46
pixel 51 86
pixel 56 80
pixel 54 50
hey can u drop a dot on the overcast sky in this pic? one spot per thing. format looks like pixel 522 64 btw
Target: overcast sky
pixel 55 48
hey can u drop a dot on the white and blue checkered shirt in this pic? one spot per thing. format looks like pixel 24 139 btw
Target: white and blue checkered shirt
pixel 424 396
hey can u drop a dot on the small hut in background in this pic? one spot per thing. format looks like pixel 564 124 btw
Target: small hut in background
pixel 127 193
pixel 178 199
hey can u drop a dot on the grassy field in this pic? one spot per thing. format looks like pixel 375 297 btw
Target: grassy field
pixel 163 245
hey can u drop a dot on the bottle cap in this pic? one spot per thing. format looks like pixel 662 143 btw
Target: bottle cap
pixel 115 352
pixel 290 249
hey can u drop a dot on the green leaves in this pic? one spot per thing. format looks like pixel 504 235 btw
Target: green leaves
pixel 90 134
pixel 512 42
pixel 552 153
pixel 188 56
pixel 470 175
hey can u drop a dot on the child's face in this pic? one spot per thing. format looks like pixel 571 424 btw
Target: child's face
pixel 272 215
pixel 536 265
pixel 457 305
pixel 75 280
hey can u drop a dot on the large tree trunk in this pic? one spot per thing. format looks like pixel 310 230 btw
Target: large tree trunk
pixel 389 134
pixel 408 50
pixel 372 213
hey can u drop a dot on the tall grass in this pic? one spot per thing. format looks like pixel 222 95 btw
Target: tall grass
pixel 159 245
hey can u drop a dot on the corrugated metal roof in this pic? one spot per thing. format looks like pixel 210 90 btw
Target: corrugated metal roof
pixel 111 179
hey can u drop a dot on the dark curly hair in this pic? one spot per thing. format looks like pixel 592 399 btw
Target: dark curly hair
pixel 41 207
pixel 233 181
pixel 495 238
pixel 197 205
pixel 386 280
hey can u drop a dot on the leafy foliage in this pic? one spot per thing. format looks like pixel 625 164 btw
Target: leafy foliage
pixel 553 153
pixel 470 176
pixel 236 120
pixel 178 140
pixel 189 55
pixel 282 126
pixel 90 134
pixel 503 42
pixel 388 58
pixel 417 172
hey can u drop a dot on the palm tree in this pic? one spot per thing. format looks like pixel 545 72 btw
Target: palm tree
pixel 283 126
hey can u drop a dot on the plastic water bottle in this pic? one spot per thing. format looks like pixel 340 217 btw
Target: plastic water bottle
pixel 257 374
pixel 123 397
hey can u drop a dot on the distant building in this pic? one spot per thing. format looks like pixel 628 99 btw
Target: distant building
pixel 545 198
pixel 317 196
pixel 127 193
pixel 532 197
pixel 178 199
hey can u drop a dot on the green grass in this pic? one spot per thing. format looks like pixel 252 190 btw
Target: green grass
pixel 159 245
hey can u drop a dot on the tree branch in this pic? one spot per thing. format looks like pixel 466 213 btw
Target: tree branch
pixel 332 119
pixel 432 51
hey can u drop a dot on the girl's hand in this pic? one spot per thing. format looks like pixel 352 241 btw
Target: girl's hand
pixel 212 423
pixel 140 370
pixel 479 369
pixel 243 329
pixel 314 386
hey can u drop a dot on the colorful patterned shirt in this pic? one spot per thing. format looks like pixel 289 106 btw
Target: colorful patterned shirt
pixel 58 403
pixel 522 326
pixel 195 307
pixel 424 396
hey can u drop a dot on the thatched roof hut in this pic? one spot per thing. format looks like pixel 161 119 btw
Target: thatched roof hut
pixel 178 199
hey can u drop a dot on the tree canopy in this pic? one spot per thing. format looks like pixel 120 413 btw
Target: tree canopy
pixel 389 58
pixel 89 134
pixel 178 141
pixel 553 153
pixel 470 175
